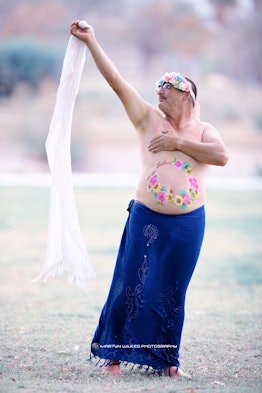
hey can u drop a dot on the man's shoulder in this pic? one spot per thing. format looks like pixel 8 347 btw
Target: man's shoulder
pixel 208 127
pixel 205 124
pixel 209 131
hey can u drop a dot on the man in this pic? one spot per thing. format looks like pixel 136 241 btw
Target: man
pixel 142 319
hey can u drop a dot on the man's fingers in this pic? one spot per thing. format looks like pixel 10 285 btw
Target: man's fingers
pixel 158 143
pixel 152 144
pixel 155 139
pixel 153 147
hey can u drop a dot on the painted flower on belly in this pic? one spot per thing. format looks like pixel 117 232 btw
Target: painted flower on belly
pixel 153 180
pixel 186 199
pixel 183 198
pixel 161 197
pixel 170 197
pixel 178 200
pixel 193 182
pixel 157 188
pixel 178 163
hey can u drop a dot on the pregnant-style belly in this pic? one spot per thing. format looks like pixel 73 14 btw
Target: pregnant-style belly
pixel 172 186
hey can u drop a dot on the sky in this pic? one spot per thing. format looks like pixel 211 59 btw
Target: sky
pixel 205 10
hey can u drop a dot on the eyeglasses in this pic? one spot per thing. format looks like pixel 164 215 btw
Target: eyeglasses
pixel 164 85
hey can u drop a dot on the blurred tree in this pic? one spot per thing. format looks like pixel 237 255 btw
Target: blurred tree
pixel 167 28
pixel 86 7
pixel 238 51
pixel 252 49
pixel 25 60
pixel 166 33
pixel 38 18
pixel 223 8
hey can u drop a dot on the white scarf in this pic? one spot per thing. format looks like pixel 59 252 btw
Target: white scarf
pixel 66 251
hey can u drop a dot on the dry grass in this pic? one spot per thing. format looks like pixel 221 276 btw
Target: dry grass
pixel 46 328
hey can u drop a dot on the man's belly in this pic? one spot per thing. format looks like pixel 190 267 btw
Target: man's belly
pixel 172 186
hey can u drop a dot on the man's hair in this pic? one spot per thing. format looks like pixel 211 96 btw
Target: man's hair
pixel 194 88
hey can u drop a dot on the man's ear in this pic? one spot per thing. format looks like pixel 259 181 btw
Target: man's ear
pixel 186 95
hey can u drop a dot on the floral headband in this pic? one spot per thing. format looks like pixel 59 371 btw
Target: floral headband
pixel 176 80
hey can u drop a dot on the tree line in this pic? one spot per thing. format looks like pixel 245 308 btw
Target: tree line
pixel 225 40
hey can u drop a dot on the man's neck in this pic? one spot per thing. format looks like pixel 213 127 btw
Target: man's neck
pixel 180 120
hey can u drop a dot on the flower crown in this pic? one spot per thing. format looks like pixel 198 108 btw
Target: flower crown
pixel 176 80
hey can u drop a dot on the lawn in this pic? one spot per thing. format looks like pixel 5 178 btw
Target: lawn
pixel 46 328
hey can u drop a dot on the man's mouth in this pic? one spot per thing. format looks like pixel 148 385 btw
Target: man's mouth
pixel 161 98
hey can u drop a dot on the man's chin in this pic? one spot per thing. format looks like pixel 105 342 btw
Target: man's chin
pixel 161 105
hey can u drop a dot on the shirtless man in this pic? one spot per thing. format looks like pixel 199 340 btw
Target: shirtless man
pixel 143 316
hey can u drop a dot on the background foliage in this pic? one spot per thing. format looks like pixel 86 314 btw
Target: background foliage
pixel 215 42
pixel 24 60
pixel 209 35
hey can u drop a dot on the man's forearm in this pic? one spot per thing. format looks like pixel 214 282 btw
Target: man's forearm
pixel 212 153
pixel 104 64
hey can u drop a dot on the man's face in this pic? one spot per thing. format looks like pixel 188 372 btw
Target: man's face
pixel 168 96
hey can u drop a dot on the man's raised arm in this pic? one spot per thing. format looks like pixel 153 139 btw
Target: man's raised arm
pixel 136 107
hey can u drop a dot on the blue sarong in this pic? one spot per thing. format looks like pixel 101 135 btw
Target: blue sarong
pixel 142 319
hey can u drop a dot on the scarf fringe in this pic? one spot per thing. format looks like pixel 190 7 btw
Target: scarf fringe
pixel 101 363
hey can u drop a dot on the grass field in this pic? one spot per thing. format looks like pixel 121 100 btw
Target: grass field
pixel 46 328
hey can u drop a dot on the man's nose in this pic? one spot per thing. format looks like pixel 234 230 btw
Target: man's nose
pixel 160 90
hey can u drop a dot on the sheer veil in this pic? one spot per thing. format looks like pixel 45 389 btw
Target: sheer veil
pixel 66 251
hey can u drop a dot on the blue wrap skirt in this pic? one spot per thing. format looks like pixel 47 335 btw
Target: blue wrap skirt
pixel 142 319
